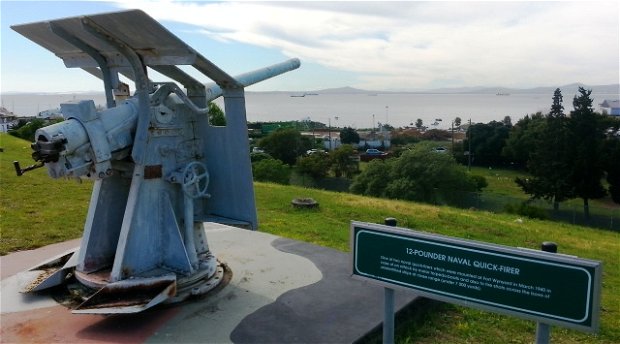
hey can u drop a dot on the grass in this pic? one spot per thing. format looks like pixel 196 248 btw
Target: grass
pixel 503 190
pixel 501 182
pixel 36 211
pixel 329 226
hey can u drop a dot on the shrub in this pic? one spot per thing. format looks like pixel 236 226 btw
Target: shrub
pixel 27 130
pixel 342 162
pixel 481 182
pixel 271 170
pixel 419 175
pixel 256 157
pixel 316 165
pixel 525 209
pixel 286 145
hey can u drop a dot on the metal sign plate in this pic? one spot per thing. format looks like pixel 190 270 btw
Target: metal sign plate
pixel 536 285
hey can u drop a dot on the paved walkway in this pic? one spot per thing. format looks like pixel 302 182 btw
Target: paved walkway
pixel 281 291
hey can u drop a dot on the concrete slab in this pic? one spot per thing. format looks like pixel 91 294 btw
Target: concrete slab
pixel 261 274
pixel 337 309
pixel 281 290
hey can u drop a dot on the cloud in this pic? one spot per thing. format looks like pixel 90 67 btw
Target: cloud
pixel 423 44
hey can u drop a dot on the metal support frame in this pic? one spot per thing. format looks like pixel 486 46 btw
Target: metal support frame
pixel 142 88
pixel 92 52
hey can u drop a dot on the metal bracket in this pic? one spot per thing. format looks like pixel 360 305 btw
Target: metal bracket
pixel 84 112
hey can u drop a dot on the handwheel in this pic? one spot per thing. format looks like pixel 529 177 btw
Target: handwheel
pixel 195 180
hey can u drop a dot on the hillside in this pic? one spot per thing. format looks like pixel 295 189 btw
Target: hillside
pixel 36 210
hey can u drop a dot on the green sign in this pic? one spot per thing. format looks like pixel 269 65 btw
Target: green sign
pixel 546 287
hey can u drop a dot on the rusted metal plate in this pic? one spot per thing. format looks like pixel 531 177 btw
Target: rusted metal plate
pixel 51 273
pixel 129 296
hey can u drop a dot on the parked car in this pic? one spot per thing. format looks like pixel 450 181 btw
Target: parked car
pixel 373 151
pixel 372 154
pixel 314 151
pixel 440 150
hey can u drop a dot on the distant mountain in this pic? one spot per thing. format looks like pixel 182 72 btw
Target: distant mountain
pixel 343 90
pixel 566 89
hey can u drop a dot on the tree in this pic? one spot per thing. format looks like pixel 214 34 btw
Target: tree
pixel 612 167
pixel 523 139
pixel 271 170
pixel 418 174
pixel 341 162
pixel 457 122
pixel 316 165
pixel 349 135
pixel 216 115
pixel 507 121
pixel 419 124
pixel 549 161
pixel 286 145
pixel 372 181
pixel 587 134
pixel 487 142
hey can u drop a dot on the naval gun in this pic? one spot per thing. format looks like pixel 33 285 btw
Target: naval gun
pixel 160 169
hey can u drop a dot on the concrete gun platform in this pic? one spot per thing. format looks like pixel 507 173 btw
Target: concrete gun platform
pixel 281 291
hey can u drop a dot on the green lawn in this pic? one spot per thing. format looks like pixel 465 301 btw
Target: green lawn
pixel 503 190
pixel 36 210
pixel 329 226
pixel 501 182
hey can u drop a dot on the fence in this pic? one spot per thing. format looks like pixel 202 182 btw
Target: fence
pixel 607 217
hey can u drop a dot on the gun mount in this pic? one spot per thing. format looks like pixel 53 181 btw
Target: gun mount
pixel 160 169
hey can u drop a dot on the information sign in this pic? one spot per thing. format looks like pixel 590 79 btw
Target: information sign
pixel 541 286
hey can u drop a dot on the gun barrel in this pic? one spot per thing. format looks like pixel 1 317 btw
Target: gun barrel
pixel 250 78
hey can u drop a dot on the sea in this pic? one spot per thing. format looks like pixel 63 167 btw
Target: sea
pixel 358 110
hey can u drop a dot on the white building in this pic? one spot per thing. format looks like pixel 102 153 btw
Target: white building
pixel 7 120
pixel 612 107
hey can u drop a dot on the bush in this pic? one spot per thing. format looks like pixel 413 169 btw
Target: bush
pixel 419 174
pixel 481 182
pixel 271 170
pixel 286 145
pixel 436 135
pixel 256 157
pixel 316 165
pixel 342 162
pixel 27 130
pixel 373 181
pixel 524 209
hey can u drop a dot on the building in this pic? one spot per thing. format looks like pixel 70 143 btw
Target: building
pixel 7 120
pixel 375 139
pixel 50 114
pixel 611 107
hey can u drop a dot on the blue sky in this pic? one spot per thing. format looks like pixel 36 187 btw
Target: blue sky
pixel 372 45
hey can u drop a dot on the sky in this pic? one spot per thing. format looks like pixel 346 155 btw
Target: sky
pixel 386 45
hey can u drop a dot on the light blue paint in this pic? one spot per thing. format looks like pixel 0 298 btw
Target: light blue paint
pixel 160 168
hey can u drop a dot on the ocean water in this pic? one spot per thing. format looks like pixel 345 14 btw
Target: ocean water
pixel 355 110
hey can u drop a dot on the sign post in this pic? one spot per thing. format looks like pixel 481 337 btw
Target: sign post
pixel 536 285
pixel 542 329
pixel 388 302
